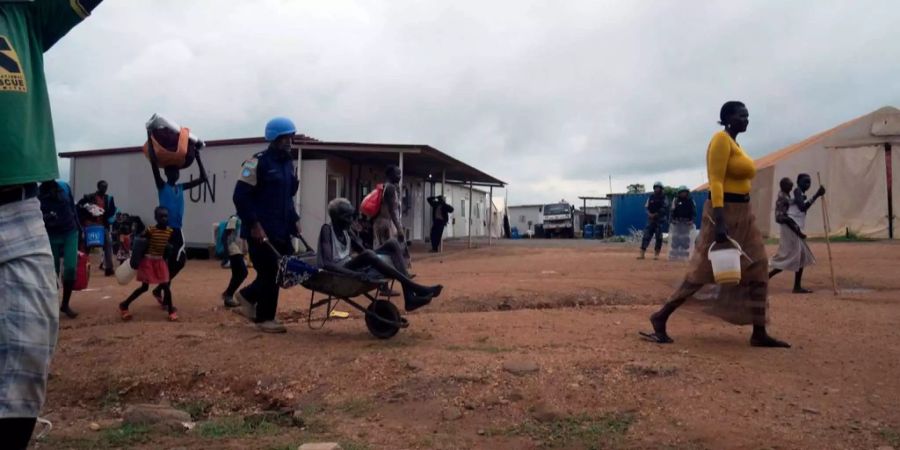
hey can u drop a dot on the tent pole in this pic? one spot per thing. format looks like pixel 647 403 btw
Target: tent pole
pixel 827 237
pixel 889 165
pixel 470 214
pixel 443 183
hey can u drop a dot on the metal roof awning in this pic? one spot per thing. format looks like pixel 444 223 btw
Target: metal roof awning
pixel 418 160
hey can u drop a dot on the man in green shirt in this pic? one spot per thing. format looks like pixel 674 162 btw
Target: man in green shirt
pixel 29 317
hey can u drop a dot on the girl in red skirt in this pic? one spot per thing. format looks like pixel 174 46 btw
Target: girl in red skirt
pixel 153 268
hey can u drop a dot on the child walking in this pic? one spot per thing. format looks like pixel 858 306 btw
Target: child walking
pixel 153 268
pixel 234 246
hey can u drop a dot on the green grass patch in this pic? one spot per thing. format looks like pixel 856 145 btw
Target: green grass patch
pixel 126 436
pixel 70 443
pixel 846 239
pixel 111 397
pixel 580 431
pixel 235 427
pixel 357 407
pixel 892 436
pixel 354 445
pixel 849 236
pixel 198 409
pixel 493 349
pixel 312 422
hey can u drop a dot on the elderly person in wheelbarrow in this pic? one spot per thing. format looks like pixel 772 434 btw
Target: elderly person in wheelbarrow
pixel 342 252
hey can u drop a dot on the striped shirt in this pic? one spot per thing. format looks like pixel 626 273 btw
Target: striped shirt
pixel 159 238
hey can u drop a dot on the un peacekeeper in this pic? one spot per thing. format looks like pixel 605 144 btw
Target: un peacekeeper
pixel 29 309
pixel 264 199
pixel 657 211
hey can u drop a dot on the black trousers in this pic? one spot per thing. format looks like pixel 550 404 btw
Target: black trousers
pixel 437 231
pixel 654 229
pixel 16 432
pixel 108 266
pixel 178 258
pixel 263 291
pixel 238 273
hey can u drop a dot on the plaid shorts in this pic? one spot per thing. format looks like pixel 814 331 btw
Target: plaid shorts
pixel 29 310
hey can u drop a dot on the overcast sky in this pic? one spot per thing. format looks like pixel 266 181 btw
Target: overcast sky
pixel 552 97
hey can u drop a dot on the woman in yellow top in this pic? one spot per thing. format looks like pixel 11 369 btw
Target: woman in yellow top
pixel 727 214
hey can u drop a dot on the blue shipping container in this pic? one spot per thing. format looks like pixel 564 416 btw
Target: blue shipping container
pixel 628 211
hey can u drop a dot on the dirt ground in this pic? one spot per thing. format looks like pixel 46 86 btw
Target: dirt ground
pixel 570 308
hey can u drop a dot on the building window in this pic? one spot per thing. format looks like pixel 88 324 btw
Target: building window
pixel 478 211
pixel 335 187
pixel 462 208
pixel 522 218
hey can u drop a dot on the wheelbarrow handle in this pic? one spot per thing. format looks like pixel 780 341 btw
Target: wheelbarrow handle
pixel 305 244
pixel 277 253
pixel 272 247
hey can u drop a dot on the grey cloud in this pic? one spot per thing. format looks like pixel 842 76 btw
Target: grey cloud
pixel 531 92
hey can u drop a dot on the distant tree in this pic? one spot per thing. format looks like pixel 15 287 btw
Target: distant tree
pixel 636 188
pixel 670 191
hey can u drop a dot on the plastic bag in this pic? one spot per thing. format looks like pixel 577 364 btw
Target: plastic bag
pixel 371 204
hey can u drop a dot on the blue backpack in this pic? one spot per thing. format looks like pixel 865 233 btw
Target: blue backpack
pixel 221 245
pixel 220 240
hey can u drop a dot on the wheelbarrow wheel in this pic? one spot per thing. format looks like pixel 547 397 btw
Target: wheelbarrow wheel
pixel 387 311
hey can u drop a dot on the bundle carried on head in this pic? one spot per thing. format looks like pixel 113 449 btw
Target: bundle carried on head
pixel 174 146
pixel 93 210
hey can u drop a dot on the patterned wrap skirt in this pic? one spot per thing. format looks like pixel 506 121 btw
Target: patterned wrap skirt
pixel 747 302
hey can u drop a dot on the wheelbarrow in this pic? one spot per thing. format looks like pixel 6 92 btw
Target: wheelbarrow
pixel 382 318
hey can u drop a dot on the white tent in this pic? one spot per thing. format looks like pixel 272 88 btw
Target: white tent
pixel 855 160
pixel 497 217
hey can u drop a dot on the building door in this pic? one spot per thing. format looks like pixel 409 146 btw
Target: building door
pixel 335 186
pixel 313 198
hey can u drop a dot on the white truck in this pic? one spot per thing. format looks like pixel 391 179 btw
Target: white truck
pixel 559 220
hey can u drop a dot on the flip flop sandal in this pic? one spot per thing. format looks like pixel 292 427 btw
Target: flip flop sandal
pixel 655 338
pixel 126 316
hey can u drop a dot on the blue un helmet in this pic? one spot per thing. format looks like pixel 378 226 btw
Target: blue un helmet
pixel 278 127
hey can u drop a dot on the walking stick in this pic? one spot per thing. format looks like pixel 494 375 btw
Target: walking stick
pixel 827 237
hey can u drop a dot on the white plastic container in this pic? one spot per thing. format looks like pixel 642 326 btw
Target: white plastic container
pixel 124 273
pixel 726 263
